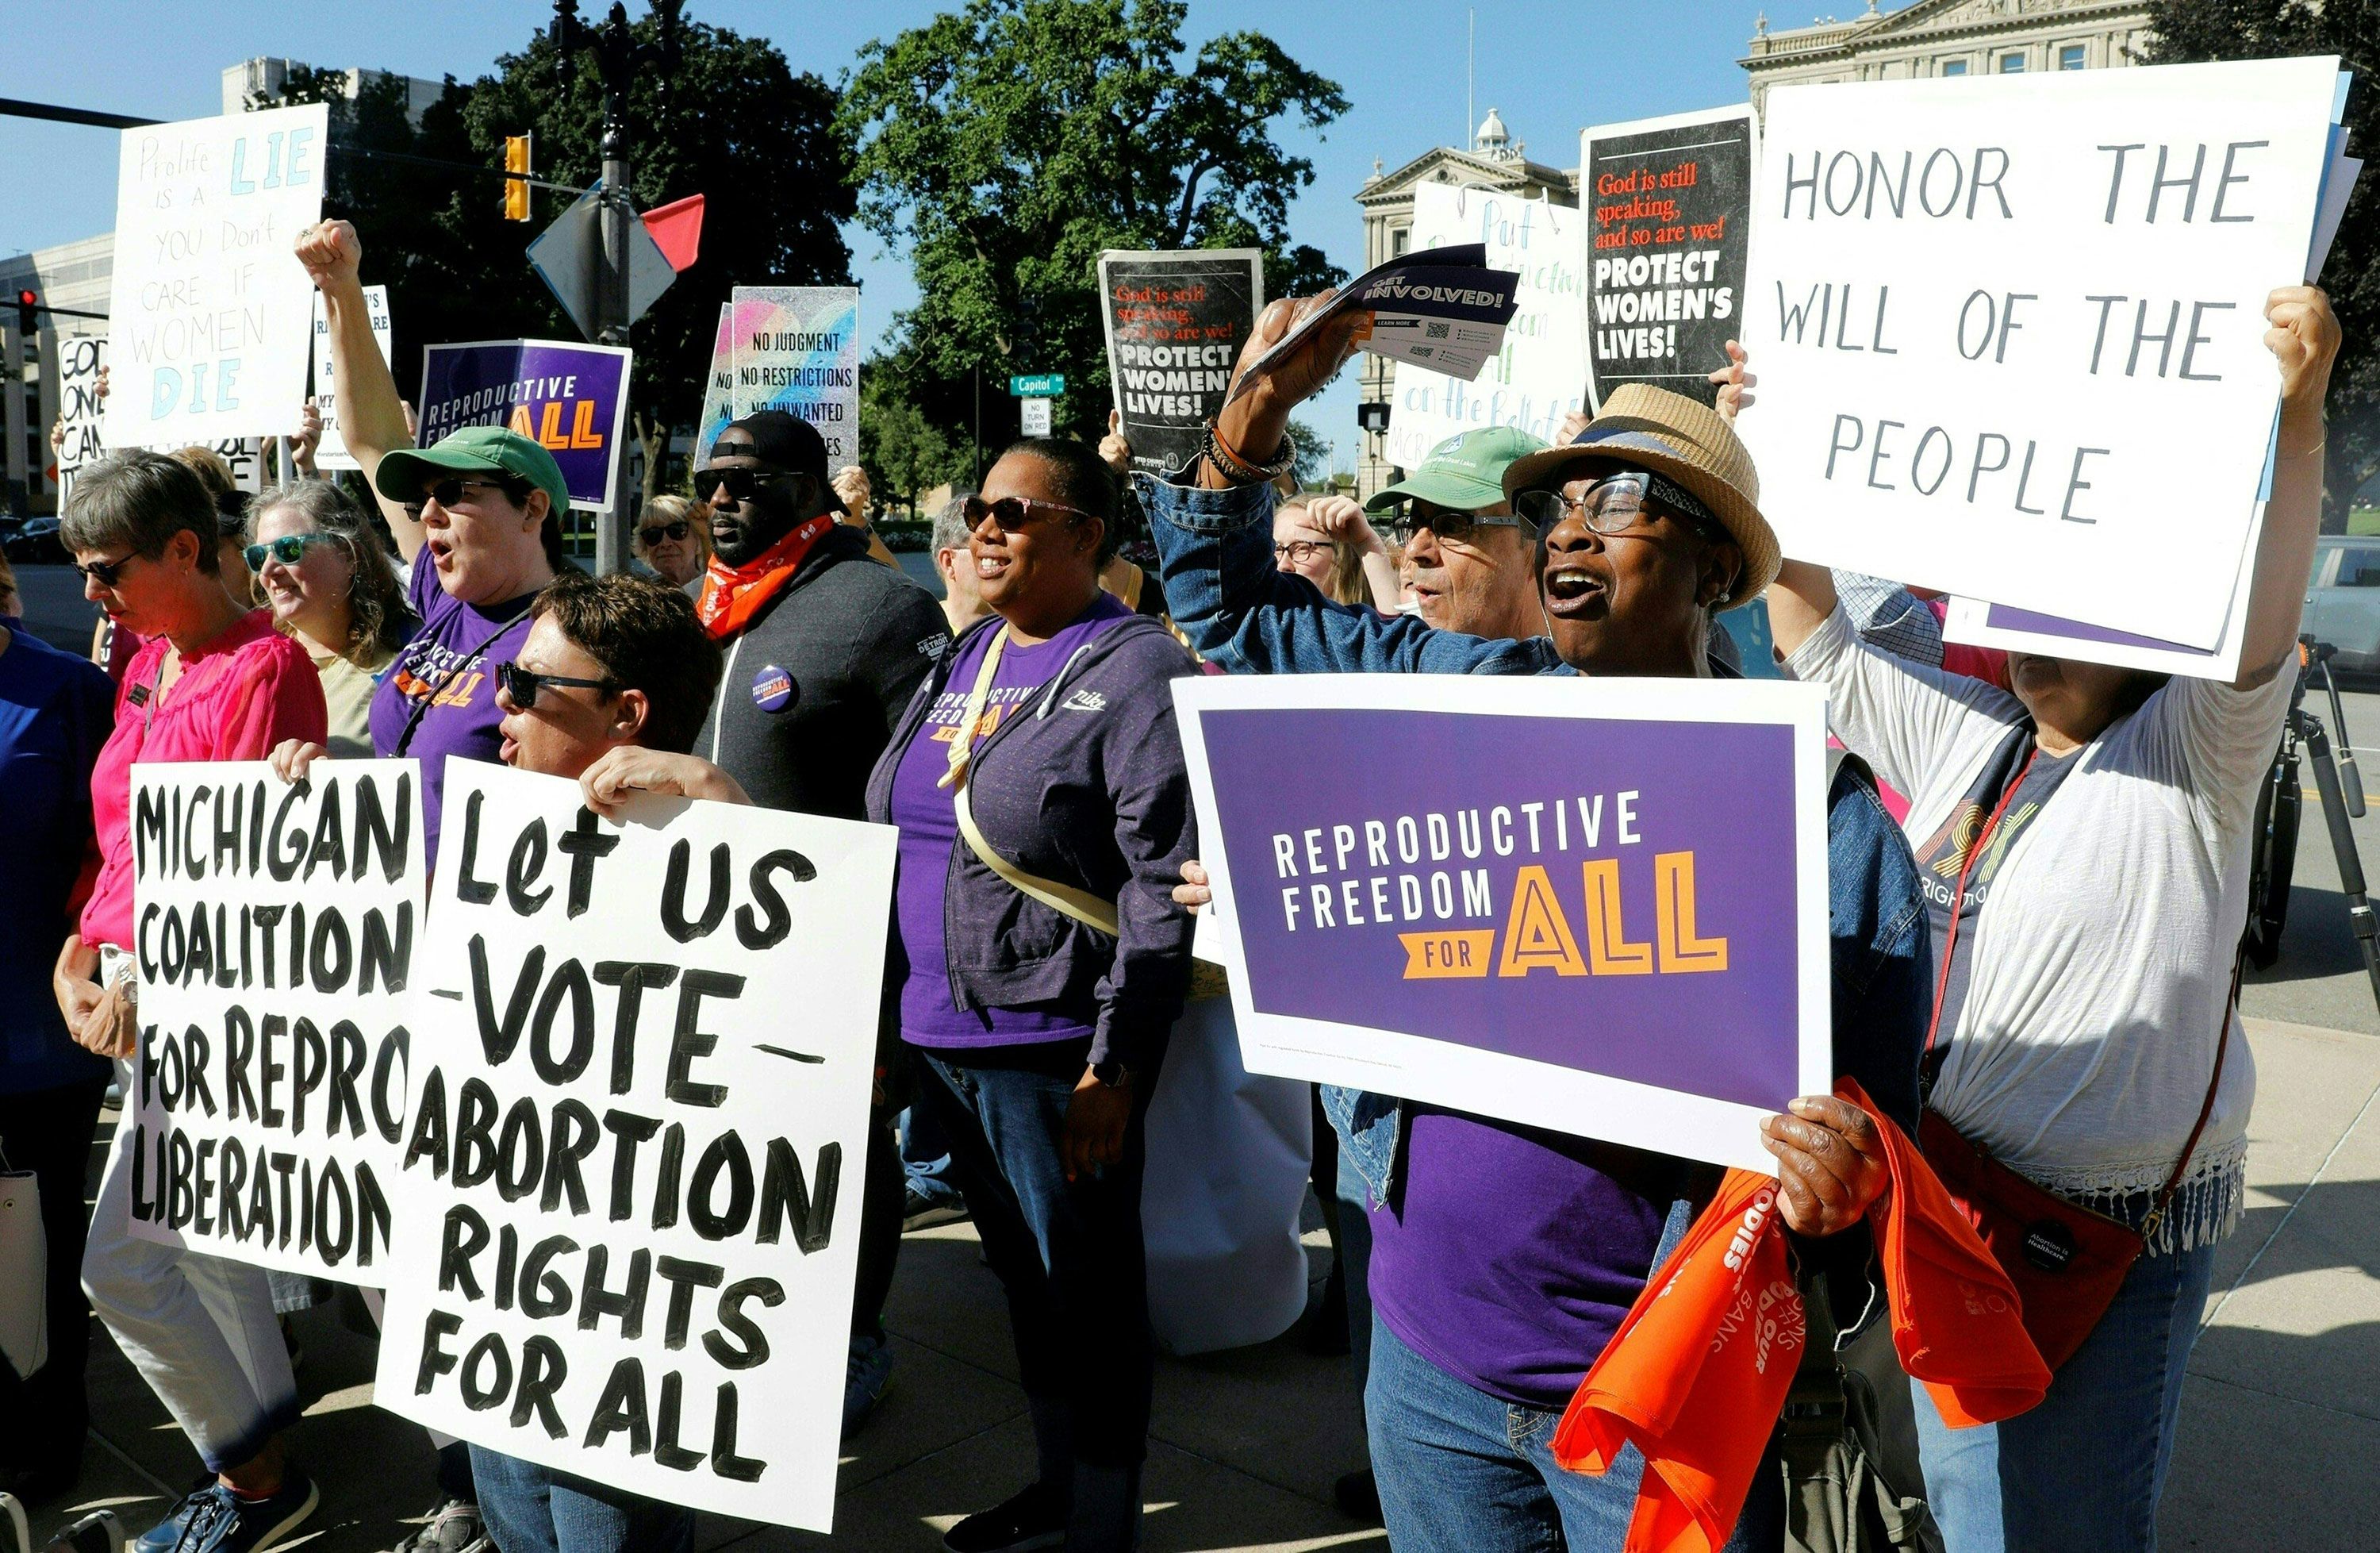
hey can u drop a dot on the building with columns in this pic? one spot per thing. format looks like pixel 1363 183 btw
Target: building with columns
pixel 1949 38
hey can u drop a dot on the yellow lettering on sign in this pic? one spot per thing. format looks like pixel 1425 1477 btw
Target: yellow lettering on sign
pixel 1607 948
pixel 1673 877
pixel 519 424
pixel 1431 957
pixel 1536 935
pixel 549 432
pixel 582 426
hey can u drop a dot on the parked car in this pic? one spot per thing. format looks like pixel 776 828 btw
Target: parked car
pixel 2342 600
pixel 37 543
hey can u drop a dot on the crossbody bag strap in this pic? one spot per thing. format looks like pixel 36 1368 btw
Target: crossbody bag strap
pixel 2206 1107
pixel 1931 1058
pixel 1066 900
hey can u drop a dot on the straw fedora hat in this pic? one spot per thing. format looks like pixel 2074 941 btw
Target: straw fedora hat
pixel 1685 440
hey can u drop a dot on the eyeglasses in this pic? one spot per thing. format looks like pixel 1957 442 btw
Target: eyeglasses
pixel 523 685
pixel 660 531
pixel 447 492
pixel 739 484
pixel 105 573
pixel 1300 551
pixel 1012 513
pixel 289 549
pixel 1615 504
pixel 1410 518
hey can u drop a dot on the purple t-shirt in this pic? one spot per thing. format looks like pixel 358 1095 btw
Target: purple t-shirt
pixel 1513 1254
pixel 438 698
pixel 929 828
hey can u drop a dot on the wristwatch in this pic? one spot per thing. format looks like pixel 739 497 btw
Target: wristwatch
pixel 1112 1075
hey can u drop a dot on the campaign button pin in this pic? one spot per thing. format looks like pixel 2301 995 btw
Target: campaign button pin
pixel 773 689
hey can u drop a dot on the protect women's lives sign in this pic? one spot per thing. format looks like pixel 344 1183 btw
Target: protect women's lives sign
pixel 628 1200
pixel 2008 330
pixel 1175 324
pixel 276 927
pixel 1597 906
pixel 210 314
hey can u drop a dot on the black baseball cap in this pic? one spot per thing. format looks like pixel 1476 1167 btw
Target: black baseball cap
pixel 783 441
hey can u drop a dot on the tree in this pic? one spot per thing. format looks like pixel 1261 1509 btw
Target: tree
pixel 1313 455
pixel 904 453
pixel 2203 30
pixel 1008 143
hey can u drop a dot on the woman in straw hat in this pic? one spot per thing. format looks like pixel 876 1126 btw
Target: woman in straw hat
pixel 1505 1256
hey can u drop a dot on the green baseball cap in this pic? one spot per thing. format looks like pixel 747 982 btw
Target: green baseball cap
pixel 1464 472
pixel 472 451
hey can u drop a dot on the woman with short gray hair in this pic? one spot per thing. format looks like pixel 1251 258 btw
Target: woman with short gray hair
pixel 326 576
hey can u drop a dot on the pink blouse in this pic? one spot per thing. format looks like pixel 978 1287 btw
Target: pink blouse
pixel 245 692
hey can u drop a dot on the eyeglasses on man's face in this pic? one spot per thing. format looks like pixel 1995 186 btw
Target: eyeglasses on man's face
pixel 1616 504
pixel 1409 518
pixel 522 685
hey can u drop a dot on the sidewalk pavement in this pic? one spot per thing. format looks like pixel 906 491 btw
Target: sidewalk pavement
pixel 2280 1425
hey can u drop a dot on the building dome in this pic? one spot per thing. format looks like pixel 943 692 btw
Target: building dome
pixel 1493 139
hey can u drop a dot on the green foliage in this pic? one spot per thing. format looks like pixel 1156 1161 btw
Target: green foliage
pixel 1313 455
pixel 904 453
pixel 1007 144
pixel 2203 30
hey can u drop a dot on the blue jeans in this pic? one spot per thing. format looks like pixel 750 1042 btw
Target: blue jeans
pixel 2083 1470
pixel 926 1158
pixel 1462 1472
pixel 1069 1257
pixel 530 1509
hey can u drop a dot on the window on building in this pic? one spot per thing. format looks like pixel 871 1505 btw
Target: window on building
pixel 2012 64
pixel 1399 239
pixel 1954 66
pixel 2070 57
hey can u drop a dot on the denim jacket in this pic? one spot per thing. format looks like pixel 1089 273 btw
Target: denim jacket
pixel 1242 613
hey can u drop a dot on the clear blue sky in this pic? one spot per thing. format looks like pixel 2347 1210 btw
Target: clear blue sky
pixel 1551 67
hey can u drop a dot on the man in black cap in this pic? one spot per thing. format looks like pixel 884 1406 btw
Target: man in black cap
pixel 824 648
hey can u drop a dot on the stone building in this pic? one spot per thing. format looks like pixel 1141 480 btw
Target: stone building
pixel 1950 37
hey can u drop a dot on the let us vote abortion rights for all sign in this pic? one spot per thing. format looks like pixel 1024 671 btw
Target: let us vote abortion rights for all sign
pixel 1597 906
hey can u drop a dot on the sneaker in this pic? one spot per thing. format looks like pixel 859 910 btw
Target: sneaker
pixel 1031 1520
pixel 218 1521
pixel 921 1212
pixel 1357 1495
pixel 453 1527
pixel 165 1534
pixel 869 1371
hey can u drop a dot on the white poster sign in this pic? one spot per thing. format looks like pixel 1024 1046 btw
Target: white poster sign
pixel 275 925
pixel 1539 375
pixel 2009 329
pixel 332 453
pixel 208 321
pixel 628 1198
pixel 797 349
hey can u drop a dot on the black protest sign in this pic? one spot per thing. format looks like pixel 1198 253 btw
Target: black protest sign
pixel 628 1200
pixel 275 930
pixel 1175 324
pixel 1668 234
pixel 80 356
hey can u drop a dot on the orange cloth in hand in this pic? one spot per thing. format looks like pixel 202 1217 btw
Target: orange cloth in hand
pixel 1697 1373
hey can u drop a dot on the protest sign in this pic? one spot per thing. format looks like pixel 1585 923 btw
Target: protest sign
pixel 1440 307
pixel 1593 905
pixel 79 402
pixel 207 318
pixel 1668 203
pixel 1175 324
pixel 1539 376
pixel 573 398
pixel 275 927
pixel 331 453
pixel 244 457
pixel 628 1200
pixel 718 389
pixel 2009 329
pixel 797 349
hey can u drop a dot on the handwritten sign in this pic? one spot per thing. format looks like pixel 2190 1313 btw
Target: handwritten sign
pixel 1593 905
pixel 208 318
pixel 797 349
pixel 331 453
pixel 628 1202
pixel 2008 330
pixel 1176 323
pixel 275 925
pixel 1539 375
pixel 80 404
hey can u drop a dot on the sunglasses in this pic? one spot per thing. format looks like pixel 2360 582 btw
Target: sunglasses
pixel 1012 513
pixel 739 484
pixel 289 549
pixel 523 685
pixel 1408 519
pixel 105 573
pixel 1616 504
pixel 447 492
pixel 655 534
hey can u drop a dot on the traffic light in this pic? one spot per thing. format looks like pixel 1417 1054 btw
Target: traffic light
pixel 516 189
pixel 28 304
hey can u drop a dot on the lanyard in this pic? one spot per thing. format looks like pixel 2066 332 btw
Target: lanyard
pixel 462 660
pixel 1958 897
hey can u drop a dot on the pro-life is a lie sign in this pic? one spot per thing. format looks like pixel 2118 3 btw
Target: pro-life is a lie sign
pixel 2008 330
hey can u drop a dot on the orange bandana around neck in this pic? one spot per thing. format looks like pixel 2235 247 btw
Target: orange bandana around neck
pixel 733 595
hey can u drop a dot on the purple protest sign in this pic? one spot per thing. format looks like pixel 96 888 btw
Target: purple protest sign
pixel 1592 905
pixel 573 398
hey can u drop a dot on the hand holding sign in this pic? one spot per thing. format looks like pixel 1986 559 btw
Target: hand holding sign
pixel 1256 419
pixel 1831 1167
pixel 2304 339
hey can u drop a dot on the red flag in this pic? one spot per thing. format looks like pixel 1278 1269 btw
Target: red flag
pixel 677 229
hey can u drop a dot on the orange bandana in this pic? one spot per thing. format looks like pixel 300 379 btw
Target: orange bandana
pixel 732 595
pixel 1697 1373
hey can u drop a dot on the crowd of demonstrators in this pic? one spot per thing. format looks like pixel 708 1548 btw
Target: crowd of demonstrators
pixel 672 539
pixel 1326 540
pixel 1041 964
pixel 54 714
pixel 2086 835
pixel 211 681
pixel 1504 1257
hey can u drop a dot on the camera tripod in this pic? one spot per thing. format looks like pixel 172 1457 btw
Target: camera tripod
pixel 2280 805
